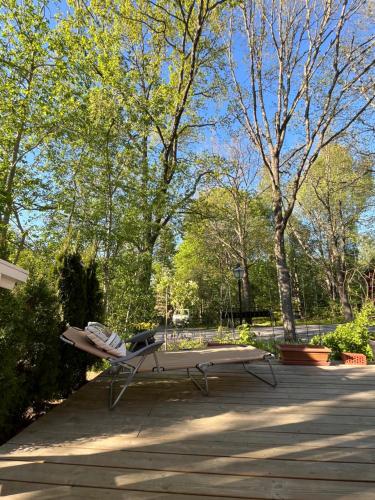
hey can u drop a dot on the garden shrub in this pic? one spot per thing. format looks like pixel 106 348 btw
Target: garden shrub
pixel 349 337
pixel 36 366
pixel 29 340
pixel 225 337
pixel 186 344
pixel 81 301
pixel 11 385
pixel 72 289
pixel 94 294
pixel 246 335
pixel 366 316
pixel 141 326
pixel 268 345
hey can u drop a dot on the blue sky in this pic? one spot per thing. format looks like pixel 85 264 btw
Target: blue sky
pixel 214 140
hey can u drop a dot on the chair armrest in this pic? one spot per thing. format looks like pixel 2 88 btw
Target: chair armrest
pixel 144 351
pixel 67 341
pixel 141 337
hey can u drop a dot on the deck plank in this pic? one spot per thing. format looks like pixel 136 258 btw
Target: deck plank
pixel 312 437
pixel 16 490
pixel 202 463
pixel 305 452
pixel 180 483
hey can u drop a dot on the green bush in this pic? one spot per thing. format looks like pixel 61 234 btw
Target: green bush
pixel 186 344
pixel 81 301
pixel 350 337
pixel 225 337
pixel 268 345
pixel 246 335
pixel 366 316
pixel 94 294
pixel 29 352
pixel 36 366
pixel 142 326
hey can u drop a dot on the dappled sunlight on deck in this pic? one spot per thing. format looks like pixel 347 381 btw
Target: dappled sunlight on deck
pixel 311 437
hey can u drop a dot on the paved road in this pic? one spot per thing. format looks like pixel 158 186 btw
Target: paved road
pixel 303 332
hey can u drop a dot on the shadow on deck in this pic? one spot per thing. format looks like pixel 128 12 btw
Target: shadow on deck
pixel 311 437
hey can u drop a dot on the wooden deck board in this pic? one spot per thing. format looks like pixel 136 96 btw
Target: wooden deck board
pixel 177 462
pixel 312 437
pixel 16 490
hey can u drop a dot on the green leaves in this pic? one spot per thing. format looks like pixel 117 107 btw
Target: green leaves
pixel 30 113
pixel 349 337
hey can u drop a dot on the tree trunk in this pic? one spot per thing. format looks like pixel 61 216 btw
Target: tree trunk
pixel 344 296
pixel 7 193
pixel 246 295
pixel 283 275
pixel 285 288
pixel 144 285
pixel 331 283
pixel 339 266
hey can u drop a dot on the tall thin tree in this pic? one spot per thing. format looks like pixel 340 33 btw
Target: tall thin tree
pixel 306 65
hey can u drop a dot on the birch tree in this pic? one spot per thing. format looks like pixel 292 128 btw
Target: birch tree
pixel 298 87
pixel 29 115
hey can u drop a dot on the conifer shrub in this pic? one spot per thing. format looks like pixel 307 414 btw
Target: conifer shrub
pixel 80 300
pixel 36 366
pixel 29 350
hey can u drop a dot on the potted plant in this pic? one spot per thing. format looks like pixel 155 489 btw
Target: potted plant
pixel 304 354
pixel 350 339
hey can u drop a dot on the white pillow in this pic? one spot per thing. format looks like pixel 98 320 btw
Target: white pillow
pixel 103 338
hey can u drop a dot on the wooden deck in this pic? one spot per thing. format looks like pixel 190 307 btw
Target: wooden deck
pixel 312 437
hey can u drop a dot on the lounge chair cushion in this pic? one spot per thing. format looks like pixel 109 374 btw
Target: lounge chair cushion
pixel 104 339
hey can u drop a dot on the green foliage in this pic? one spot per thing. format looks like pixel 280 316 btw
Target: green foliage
pixel 268 345
pixel 141 326
pixel 72 289
pixel 225 337
pixel 94 294
pixel 366 316
pixel 349 337
pixel 186 345
pixel 184 294
pixel 30 115
pixel 331 203
pixel 29 350
pixel 247 336
pixel 221 223
pixel 81 301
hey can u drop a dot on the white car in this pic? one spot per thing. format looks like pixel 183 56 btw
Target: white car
pixel 181 317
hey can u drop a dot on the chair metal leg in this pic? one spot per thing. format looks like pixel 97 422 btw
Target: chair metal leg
pixel 274 380
pixel 197 383
pixel 112 403
pixel 203 370
pixel 158 369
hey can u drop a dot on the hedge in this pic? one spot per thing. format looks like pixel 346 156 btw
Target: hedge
pixel 36 366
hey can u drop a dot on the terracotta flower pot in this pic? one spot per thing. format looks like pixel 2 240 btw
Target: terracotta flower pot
pixel 353 358
pixel 304 354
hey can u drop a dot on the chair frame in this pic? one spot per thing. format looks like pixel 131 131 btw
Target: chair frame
pixel 122 365
pixel 203 369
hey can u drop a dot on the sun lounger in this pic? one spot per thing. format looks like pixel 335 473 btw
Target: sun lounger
pixel 141 357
